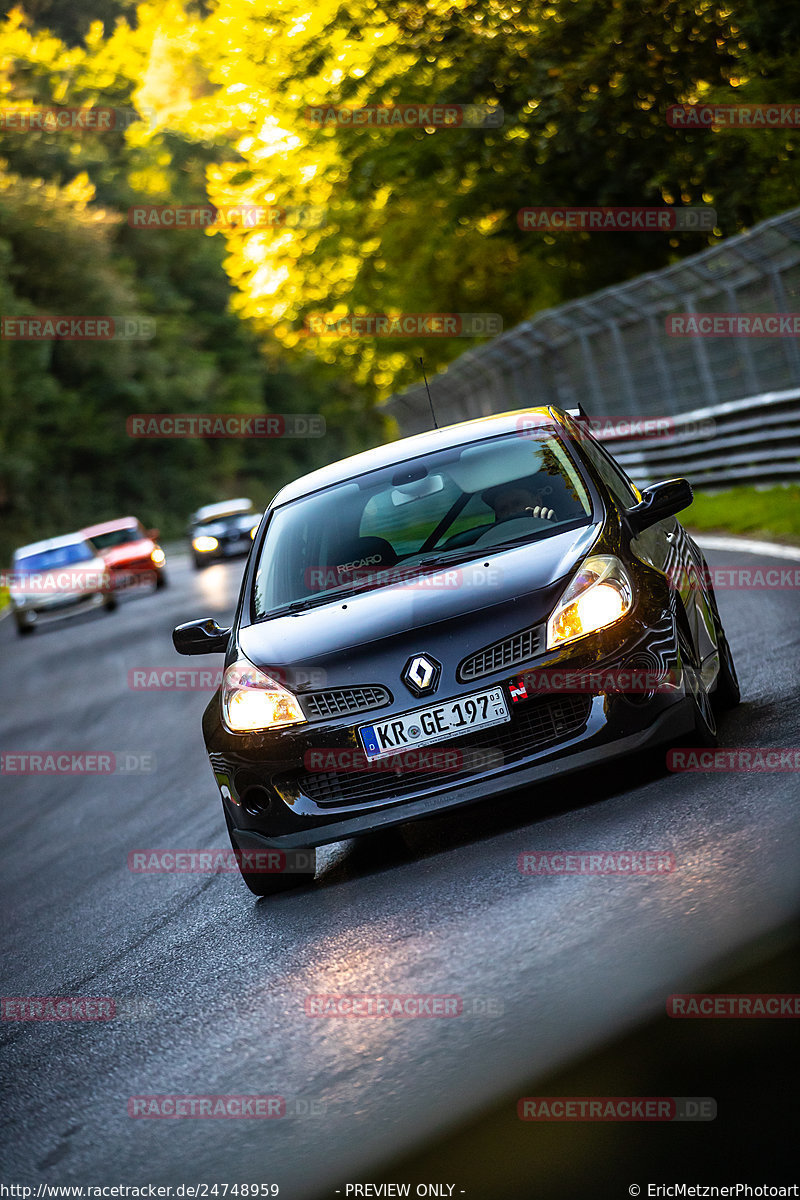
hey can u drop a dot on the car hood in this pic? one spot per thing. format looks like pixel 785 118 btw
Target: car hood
pixel 368 636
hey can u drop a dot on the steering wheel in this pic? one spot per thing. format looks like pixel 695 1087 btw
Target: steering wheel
pixel 511 527
pixel 540 511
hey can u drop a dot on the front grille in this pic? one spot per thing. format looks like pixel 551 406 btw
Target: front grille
pixel 339 701
pixel 508 653
pixel 533 726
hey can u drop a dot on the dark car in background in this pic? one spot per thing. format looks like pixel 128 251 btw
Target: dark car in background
pixel 221 531
pixel 56 578
pixel 401 609
pixel 131 552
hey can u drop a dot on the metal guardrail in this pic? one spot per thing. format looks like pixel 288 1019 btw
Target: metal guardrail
pixel 611 353
pixel 753 440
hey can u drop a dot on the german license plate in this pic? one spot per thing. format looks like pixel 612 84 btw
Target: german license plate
pixel 424 726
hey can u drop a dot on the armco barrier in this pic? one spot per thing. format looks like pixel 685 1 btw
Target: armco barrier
pixel 612 353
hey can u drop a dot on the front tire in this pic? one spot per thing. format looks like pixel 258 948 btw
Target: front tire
pixel 269 883
pixel 727 693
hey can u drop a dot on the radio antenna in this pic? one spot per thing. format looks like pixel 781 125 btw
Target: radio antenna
pixel 428 390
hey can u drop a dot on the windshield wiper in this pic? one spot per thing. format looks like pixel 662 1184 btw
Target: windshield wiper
pixel 293 606
pixel 456 554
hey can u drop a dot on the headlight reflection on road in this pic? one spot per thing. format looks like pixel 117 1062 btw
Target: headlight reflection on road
pixel 218 586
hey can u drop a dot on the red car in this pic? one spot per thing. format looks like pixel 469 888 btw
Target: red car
pixel 130 552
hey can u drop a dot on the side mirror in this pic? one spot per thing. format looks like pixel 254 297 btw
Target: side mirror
pixel 201 637
pixel 659 501
pixel 153 534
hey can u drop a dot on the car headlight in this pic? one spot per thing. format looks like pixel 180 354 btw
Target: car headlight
pixel 158 557
pixel 254 531
pixel 205 544
pixel 600 593
pixel 251 700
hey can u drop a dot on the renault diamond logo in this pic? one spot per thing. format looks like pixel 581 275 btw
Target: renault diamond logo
pixel 421 674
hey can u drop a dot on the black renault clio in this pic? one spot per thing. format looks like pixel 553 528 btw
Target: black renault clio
pixel 400 609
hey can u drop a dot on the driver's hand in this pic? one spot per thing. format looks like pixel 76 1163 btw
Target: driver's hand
pixel 546 514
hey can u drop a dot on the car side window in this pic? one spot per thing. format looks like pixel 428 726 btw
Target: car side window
pixel 612 475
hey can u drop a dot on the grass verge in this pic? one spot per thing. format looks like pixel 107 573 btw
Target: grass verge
pixel 771 513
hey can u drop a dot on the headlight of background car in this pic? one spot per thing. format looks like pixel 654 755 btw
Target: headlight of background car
pixel 600 593
pixel 251 700
pixel 205 544
pixel 158 557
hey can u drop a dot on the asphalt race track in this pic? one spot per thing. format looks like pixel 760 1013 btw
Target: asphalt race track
pixel 209 984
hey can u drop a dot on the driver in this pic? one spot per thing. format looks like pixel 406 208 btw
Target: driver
pixel 517 499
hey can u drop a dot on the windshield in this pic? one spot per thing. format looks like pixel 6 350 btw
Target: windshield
pixel 230 520
pixel 445 507
pixel 118 537
pixel 48 560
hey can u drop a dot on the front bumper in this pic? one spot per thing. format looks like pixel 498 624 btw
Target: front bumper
pixel 273 799
pixel 40 608
pixel 573 756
